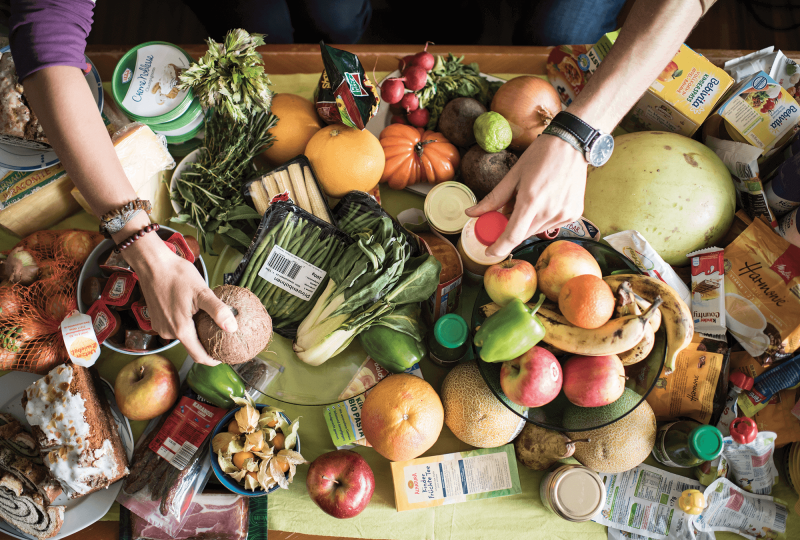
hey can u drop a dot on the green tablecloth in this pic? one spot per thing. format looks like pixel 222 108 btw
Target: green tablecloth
pixel 518 517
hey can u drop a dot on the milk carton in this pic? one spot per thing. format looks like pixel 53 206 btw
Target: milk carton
pixel 681 97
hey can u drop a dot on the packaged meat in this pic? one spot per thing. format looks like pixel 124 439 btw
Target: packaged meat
pixel 215 516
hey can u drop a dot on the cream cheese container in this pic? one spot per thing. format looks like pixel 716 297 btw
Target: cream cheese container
pixel 144 84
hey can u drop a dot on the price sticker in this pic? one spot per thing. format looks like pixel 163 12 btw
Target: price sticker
pixel 291 273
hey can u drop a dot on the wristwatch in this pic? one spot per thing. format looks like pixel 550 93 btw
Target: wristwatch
pixel 595 145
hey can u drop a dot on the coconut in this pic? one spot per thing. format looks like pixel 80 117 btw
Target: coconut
pixel 253 335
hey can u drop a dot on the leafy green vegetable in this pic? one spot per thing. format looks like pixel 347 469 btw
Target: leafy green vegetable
pixel 230 77
pixel 450 79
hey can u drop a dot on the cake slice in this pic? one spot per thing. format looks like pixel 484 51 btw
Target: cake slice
pixel 18 124
pixel 28 511
pixel 77 435
pixel 14 437
pixel 34 477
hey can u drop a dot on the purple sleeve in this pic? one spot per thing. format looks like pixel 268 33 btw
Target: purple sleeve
pixel 47 33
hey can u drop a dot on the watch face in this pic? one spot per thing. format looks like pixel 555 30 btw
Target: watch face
pixel 600 151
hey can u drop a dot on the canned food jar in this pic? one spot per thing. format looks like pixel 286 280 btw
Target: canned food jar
pixel 445 205
pixel 573 492
pixel 476 236
pixel 144 83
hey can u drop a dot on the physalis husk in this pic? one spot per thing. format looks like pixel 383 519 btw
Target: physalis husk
pixel 247 418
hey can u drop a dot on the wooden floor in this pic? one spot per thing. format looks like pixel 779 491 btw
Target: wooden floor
pixel 728 25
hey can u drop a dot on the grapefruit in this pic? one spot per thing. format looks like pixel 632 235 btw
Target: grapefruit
pixel 402 417
pixel 672 189
pixel 297 123
pixel 345 158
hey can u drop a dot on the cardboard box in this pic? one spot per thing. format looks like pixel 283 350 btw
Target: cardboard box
pixel 681 98
pixel 600 50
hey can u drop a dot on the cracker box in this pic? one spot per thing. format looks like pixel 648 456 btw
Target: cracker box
pixel 681 98
pixel 760 113
pixel 600 49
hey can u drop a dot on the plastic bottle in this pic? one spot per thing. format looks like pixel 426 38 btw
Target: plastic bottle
pixel 478 234
pixel 789 228
pixel 739 382
pixel 448 344
pixel 687 444
pixel 783 191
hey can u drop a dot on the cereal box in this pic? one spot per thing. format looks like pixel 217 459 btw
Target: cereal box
pixel 760 113
pixel 567 70
pixel 681 98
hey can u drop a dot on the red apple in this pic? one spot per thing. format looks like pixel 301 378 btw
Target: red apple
pixel 341 483
pixel 532 379
pixel 594 381
pixel 561 261
pixel 512 278
pixel 147 387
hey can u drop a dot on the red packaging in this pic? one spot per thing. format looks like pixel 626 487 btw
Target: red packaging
pixel 119 290
pixel 115 263
pixel 92 289
pixel 177 243
pixel 106 323
pixel 184 431
pixel 142 315
pixel 708 292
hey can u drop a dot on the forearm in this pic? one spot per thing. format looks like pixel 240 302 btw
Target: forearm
pixel 650 38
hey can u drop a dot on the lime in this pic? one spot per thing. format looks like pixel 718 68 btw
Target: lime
pixel 492 132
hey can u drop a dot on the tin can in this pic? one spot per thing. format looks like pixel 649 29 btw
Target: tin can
pixel 445 205
pixel 573 492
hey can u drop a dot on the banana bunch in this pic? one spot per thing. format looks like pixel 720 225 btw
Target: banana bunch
pixel 643 304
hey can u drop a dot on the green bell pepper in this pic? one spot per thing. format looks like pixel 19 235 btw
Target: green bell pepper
pixel 393 350
pixel 510 332
pixel 216 384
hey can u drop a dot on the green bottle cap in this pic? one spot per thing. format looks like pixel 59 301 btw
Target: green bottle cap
pixel 705 442
pixel 451 331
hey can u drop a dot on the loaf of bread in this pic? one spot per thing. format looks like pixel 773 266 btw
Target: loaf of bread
pixel 77 435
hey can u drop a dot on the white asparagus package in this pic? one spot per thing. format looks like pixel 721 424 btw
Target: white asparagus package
pixel 636 248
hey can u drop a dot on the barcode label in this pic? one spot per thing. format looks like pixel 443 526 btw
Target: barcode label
pixel 178 456
pixel 291 273
pixel 780 518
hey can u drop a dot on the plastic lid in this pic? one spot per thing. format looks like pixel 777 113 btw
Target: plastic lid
pixel 451 331
pixel 705 442
pixel 740 380
pixel 445 205
pixel 743 430
pixel 489 227
pixel 692 502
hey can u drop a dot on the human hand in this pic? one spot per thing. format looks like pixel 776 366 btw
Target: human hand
pixel 174 291
pixel 549 181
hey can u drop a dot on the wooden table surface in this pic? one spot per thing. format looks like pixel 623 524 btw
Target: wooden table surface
pixel 288 59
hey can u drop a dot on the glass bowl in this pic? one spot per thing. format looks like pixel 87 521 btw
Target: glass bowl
pixel 642 376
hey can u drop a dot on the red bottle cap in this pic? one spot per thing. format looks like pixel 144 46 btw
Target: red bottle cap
pixel 549 234
pixel 744 430
pixel 489 227
pixel 742 381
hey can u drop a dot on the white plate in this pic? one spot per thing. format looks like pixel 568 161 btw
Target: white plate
pixel 192 157
pixel 17 158
pixel 83 511
pixel 383 118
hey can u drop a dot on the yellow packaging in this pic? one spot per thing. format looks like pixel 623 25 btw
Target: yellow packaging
pixel 681 98
pixel 760 113
pixel 458 477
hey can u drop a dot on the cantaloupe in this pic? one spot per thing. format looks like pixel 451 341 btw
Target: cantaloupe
pixel 672 189
pixel 620 446
pixel 473 413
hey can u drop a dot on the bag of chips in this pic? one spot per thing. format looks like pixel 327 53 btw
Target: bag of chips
pixel 345 94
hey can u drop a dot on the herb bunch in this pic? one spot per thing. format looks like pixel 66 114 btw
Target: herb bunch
pixel 450 79
pixel 210 192
pixel 230 77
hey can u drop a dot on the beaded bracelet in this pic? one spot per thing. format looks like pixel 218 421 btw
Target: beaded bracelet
pixel 135 236
pixel 114 221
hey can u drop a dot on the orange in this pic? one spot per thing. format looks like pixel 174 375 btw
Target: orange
pixel 586 301
pixel 345 159
pixel 239 457
pixel 402 417
pixel 297 123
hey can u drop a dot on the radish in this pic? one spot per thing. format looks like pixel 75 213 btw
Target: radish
pixel 392 90
pixel 399 119
pixel 415 78
pixel 409 102
pixel 424 59
pixel 405 62
pixel 419 118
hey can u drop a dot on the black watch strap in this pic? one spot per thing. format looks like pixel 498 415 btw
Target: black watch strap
pixel 575 126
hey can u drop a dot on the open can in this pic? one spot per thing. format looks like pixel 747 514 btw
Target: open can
pixel 573 492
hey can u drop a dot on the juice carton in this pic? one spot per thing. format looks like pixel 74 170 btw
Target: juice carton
pixel 681 98
pixel 458 477
pixel 760 113
pixel 600 49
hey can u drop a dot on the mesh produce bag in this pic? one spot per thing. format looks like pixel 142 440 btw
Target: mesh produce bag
pixel 34 302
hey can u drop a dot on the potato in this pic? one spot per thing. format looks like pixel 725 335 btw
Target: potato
pixel 457 119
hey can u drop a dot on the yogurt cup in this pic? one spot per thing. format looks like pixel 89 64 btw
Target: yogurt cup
pixel 144 84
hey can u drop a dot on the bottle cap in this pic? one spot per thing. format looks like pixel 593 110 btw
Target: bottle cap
pixel 489 227
pixel 549 234
pixel 692 502
pixel 740 380
pixel 743 430
pixel 451 331
pixel 705 442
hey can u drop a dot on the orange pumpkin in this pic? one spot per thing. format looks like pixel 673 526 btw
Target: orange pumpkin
pixel 414 156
